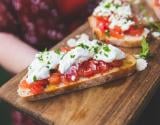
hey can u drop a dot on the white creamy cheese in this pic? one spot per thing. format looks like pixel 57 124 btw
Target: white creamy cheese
pixel 106 7
pixel 74 56
pixel 156 34
pixel 109 53
pixel 141 64
pixel 42 64
pixel 71 42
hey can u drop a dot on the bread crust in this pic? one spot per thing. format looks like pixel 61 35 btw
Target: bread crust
pixel 128 67
pixel 129 41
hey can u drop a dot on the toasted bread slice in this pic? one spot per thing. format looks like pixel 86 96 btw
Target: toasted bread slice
pixel 127 41
pixel 128 67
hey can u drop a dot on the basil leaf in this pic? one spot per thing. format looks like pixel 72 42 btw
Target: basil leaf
pixel 145 52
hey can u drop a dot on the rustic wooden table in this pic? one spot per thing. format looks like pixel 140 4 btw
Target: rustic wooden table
pixel 115 103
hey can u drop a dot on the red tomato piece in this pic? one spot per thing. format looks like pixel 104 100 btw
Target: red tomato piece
pixel 103 67
pixel 135 30
pixel 65 49
pixel 88 68
pixel 102 23
pixel 24 84
pixel 88 72
pixel 38 86
pixel 55 78
pixel 72 74
pixel 116 32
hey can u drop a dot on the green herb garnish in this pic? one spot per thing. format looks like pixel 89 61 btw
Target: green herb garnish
pixel 145 52
pixel 34 78
pixel 96 49
pixel 117 5
pixel 108 5
pixel 40 57
pixel 83 46
pixel 106 48
pixel 58 51
pixel 72 56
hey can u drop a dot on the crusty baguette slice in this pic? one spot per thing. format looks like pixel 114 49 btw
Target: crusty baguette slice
pixel 127 41
pixel 126 69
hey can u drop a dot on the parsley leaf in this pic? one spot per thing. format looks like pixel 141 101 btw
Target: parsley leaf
pixel 83 46
pixel 72 56
pixel 106 48
pixel 108 5
pixel 96 49
pixel 58 51
pixel 145 52
pixel 34 78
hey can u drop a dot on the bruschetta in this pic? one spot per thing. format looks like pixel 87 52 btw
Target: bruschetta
pixel 83 63
pixel 113 21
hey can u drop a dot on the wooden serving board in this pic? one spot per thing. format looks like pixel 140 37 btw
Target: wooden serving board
pixel 114 103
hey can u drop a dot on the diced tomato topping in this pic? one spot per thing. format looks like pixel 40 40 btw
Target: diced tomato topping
pixel 24 85
pixel 71 75
pixel 88 68
pixel 116 63
pixel 102 23
pixel 116 32
pixel 103 67
pixel 135 30
pixel 65 49
pixel 38 86
pixel 55 78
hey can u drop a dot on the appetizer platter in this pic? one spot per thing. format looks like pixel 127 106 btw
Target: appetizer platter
pixel 103 73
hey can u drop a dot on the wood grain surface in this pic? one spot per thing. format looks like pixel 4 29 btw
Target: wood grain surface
pixel 115 103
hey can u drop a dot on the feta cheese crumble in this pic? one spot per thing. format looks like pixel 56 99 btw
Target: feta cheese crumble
pixel 141 64
pixel 119 13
